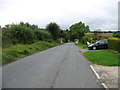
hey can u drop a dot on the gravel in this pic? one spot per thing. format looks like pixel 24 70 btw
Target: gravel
pixel 108 75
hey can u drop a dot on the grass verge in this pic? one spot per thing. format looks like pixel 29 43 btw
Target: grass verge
pixel 0 55
pixel 103 57
pixel 83 46
pixel 19 51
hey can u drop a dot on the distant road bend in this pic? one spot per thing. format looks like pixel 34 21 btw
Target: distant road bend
pixel 58 67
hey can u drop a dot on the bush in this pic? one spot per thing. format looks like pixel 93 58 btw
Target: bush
pixel 86 39
pixel 15 34
pixel 113 43
pixel 22 34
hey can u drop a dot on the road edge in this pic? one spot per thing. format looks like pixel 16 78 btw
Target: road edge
pixel 98 77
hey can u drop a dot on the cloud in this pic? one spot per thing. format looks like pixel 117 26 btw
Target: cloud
pixel 95 13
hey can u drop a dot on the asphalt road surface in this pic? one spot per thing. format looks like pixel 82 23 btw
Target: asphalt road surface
pixel 58 67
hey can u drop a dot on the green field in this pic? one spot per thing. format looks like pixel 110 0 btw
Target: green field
pixel 103 57
pixel 82 46
pixel 21 50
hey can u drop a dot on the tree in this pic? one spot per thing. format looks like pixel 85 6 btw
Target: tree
pixel 78 30
pixel 22 23
pixel 33 27
pixel 66 36
pixel 54 29
pixel 42 34
pixel 27 24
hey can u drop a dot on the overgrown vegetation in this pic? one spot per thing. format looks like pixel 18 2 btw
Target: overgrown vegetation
pixel 23 33
pixel 21 50
pixel 103 57
pixel 23 39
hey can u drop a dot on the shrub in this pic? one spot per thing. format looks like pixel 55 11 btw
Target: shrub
pixel 113 43
pixel 15 34
pixel 22 34
pixel 86 39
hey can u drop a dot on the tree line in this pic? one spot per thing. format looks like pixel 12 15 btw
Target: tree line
pixel 25 33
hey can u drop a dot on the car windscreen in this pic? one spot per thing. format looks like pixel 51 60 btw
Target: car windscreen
pixel 102 41
pixel 97 41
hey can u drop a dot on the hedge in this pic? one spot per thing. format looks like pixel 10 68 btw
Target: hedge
pixel 113 43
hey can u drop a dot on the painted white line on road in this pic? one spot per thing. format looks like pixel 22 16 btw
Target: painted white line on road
pixel 95 72
pixel 105 86
pixel 98 77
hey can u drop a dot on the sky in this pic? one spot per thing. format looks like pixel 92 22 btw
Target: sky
pixel 98 14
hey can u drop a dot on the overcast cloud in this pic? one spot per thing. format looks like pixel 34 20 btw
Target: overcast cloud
pixel 98 14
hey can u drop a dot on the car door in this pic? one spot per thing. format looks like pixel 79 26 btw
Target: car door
pixel 101 45
pixel 105 44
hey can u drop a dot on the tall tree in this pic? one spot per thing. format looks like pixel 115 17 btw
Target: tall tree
pixel 54 29
pixel 78 30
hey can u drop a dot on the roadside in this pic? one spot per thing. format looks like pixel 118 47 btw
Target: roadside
pixel 108 74
pixel 82 46
pixel 18 51
pixel 0 55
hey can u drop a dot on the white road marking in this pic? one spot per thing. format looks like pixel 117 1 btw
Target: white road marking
pixel 95 72
pixel 98 77
pixel 105 86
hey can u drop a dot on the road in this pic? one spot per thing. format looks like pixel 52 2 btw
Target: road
pixel 58 67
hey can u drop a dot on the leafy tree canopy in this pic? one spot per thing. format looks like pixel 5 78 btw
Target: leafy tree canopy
pixel 54 29
pixel 78 30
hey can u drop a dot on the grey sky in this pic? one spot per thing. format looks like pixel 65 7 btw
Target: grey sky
pixel 98 14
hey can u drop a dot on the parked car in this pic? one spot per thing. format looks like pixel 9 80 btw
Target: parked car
pixel 102 44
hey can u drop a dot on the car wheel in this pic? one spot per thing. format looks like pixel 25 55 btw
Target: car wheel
pixel 94 48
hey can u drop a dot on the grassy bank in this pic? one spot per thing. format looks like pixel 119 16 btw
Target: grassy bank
pixel 21 50
pixel 82 46
pixel 0 55
pixel 103 57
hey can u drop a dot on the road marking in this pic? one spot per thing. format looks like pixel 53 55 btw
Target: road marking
pixel 95 72
pixel 98 77
pixel 105 86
